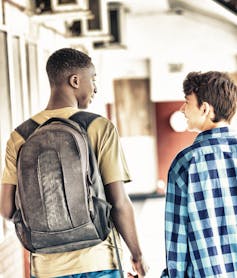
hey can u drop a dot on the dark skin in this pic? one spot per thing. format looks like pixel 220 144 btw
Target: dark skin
pixel 124 221
pixel 70 94
pixel 7 200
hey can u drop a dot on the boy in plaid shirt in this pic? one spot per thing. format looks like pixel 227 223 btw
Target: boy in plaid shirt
pixel 201 200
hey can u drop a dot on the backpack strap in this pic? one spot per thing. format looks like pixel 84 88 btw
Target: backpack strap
pixel 117 253
pixel 84 118
pixel 27 128
pixel 81 117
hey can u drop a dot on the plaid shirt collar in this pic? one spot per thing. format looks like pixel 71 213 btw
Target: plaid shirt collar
pixel 217 132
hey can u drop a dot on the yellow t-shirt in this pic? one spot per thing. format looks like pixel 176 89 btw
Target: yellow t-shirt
pixel 111 161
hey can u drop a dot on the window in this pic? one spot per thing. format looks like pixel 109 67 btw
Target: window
pixel 5 105
pixel 68 5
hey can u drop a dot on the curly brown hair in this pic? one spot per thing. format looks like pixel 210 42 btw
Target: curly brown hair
pixel 215 88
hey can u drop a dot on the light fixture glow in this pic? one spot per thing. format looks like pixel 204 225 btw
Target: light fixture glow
pixel 178 122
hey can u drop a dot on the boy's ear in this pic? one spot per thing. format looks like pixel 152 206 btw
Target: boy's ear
pixel 74 81
pixel 205 108
pixel 208 110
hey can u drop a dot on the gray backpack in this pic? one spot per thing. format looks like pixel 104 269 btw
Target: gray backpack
pixel 60 199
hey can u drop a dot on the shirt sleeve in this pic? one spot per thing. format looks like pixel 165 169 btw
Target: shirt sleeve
pixel 13 145
pixel 176 218
pixel 108 150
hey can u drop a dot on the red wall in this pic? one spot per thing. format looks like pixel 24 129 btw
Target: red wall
pixel 169 142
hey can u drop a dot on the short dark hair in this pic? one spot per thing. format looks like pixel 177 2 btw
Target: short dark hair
pixel 215 88
pixel 64 62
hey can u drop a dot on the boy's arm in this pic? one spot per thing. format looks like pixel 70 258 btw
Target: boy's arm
pixel 7 200
pixel 123 217
pixel 9 179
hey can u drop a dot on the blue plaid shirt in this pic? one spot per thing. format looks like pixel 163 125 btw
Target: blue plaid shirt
pixel 201 208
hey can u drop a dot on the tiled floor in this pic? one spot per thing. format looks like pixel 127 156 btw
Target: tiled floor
pixel 150 223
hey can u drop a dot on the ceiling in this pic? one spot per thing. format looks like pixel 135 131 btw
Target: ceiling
pixel 61 21
pixel 224 9
pixel 145 6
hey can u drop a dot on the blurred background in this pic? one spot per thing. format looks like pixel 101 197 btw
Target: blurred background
pixel 142 51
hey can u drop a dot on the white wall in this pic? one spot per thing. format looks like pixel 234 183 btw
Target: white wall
pixel 197 41
pixel 194 40
pixel 117 64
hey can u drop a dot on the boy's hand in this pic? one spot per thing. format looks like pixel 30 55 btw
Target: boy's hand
pixel 140 267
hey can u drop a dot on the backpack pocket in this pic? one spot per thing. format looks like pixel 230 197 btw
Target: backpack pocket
pixel 22 232
pixel 102 217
